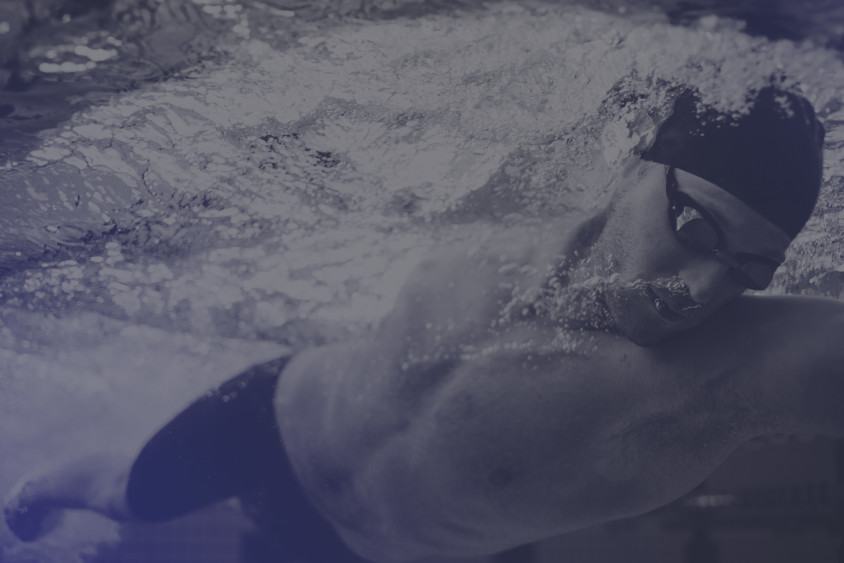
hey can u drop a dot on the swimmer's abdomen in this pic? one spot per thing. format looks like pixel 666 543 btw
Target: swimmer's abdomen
pixel 503 448
pixel 403 467
pixel 346 418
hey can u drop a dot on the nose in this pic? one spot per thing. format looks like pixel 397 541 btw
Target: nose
pixel 707 280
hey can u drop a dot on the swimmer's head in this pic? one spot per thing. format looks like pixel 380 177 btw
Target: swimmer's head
pixel 770 158
pixel 709 212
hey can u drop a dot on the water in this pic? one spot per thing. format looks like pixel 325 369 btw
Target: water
pixel 191 186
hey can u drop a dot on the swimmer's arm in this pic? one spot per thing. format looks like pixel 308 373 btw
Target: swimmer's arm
pixel 795 346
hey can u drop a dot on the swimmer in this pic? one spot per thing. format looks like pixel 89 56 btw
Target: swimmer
pixel 546 379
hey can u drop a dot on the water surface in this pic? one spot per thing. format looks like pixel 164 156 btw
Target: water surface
pixel 218 179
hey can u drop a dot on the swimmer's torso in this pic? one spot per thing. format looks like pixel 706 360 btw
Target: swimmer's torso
pixel 460 428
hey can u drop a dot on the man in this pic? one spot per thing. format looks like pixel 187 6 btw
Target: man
pixel 538 381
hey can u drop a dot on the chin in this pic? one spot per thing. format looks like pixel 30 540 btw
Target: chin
pixel 636 318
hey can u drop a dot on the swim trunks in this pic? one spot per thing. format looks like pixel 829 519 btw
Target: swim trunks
pixel 226 444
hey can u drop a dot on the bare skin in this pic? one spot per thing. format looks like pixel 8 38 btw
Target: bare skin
pixel 95 482
pixel 527 385
pixel 457 430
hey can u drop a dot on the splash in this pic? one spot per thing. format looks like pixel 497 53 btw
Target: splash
pixel 305 171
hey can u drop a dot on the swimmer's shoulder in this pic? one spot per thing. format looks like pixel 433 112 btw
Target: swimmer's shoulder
pixel 491 257
pixel 469 280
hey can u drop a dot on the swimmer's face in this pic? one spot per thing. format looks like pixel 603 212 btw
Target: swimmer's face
pixel 663 285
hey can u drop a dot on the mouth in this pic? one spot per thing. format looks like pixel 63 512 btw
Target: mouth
pixel 662 307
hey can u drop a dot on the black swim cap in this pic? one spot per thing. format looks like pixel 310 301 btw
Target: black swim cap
pixel 770 158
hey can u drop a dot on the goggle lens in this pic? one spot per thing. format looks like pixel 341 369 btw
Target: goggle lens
pixel 699 232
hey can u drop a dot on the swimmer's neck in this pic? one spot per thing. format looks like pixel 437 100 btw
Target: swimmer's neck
pixel 574 291
pixel 591 245
pixel 587 257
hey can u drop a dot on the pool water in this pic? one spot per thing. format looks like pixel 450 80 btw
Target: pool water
pixel 192 186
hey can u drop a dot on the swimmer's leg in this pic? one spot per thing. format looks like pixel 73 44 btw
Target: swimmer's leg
pixel 224 444
pixel 94 482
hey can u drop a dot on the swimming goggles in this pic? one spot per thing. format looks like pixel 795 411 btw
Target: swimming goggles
pixel 697 229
